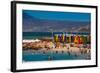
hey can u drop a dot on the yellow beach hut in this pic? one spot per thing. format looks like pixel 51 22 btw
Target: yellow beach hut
pixel 76 40
pixel 56 38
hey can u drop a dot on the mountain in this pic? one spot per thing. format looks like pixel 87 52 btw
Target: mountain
pixel 33 24
pixel 84 29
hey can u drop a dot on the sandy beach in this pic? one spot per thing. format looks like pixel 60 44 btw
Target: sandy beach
pixel 45 46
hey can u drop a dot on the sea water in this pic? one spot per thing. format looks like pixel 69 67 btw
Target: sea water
pixel 35 35
pixel 50 56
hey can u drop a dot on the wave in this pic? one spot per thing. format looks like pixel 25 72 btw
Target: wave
pixel 32 40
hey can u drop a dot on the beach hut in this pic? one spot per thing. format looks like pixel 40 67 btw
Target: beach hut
pixel 56 38
pixel 83 39
pixel 88 39
pixel 72 39
pixel 76 39
pixel 60 38
pixel 68 39
pixel 80 40
pixel 63 37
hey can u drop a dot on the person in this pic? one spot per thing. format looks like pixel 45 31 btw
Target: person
pixel 68 52
pixel 49 58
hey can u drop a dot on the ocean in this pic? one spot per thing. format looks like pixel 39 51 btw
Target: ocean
pixel 29 56
pixel 37 35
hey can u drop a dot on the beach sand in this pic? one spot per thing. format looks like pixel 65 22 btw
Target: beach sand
pixel 50 46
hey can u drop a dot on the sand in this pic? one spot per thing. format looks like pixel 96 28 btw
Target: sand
pixel 50 47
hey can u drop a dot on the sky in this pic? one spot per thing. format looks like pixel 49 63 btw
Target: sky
pixel 53 15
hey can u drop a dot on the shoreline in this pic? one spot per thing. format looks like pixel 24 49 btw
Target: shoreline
pixel 31 40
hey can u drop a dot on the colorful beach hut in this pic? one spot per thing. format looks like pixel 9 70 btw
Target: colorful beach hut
pixel 63 37
pixel 78 40
pixel 88 39
pixel 72 38
pixel 68 39
pixel 60 38
pixel 56 38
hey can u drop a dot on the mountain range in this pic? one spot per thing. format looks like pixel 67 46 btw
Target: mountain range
pixel 33 24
